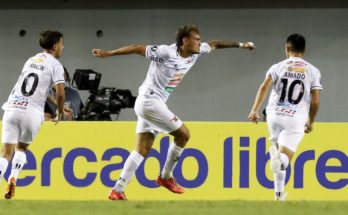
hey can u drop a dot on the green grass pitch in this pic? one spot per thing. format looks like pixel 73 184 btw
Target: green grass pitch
pixel 18 207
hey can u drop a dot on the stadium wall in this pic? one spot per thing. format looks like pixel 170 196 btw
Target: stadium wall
pixel 213 88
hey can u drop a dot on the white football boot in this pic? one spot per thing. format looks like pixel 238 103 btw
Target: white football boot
pixel 281 197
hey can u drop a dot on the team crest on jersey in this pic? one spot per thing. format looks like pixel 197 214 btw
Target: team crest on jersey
pixel 38 60
pixel 297 69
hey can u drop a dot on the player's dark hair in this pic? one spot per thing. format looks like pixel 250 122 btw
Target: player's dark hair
pixel 296 43
pixel 49 38
pixel 185 31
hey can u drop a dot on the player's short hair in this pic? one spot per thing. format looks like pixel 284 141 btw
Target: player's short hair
pixel 49 38
pixel 296 43
pixel 185 31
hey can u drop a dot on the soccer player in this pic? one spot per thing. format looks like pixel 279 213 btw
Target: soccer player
pixel 169 64
pixel 292 107
pixel 24 109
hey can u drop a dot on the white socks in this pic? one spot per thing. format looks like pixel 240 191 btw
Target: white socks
pixel 131 165
pixel 279 181
pixel 134 160
pixel 18 161
pixel 173 155
pixel 279 178
pixel 3 167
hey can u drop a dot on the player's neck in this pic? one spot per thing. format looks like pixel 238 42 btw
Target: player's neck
pixel 295 54
pixel 183 52
pixel 51 52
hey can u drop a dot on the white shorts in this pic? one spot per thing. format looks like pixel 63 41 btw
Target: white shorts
pixel 285 131
pixel 154 116
pixel 20 126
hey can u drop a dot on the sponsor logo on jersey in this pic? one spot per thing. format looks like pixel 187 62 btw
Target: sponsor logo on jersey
pixel 156 59
pixel 170 89
pixel 297 69
pixel 172 83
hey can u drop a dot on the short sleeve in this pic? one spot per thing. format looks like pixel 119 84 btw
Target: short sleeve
pixel 272 72
pixel 157 53
pixel 205 49
pixel 58 74
pixel 316 83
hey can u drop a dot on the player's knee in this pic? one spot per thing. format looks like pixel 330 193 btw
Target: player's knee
pixel 284 160
pixel 8 152
pixel 181 136
pixel 22 146
pixel 144 149
pixel 186 135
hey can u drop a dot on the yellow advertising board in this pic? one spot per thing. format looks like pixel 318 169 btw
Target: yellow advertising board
pixel 222 161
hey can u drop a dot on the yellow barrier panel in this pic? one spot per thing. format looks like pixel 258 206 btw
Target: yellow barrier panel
pixel 223 161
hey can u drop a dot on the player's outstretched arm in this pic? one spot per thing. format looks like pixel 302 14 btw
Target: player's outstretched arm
pixel 315 102
pixel 260 97
pixel 131 49
pixel 220 44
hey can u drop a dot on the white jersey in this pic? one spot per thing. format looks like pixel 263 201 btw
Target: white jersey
pixel 39 73
pixel 293 80
pixel 167 69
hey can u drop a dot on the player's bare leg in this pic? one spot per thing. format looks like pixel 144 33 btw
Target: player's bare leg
pixel 166 179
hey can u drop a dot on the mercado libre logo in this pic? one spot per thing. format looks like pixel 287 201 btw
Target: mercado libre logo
pixel 245 169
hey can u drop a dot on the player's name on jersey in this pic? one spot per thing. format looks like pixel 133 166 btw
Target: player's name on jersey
pixel 294 75
pixel 36 66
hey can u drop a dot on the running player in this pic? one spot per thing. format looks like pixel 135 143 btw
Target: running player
pixel 24 109
pixel 292 107
pixel 169 64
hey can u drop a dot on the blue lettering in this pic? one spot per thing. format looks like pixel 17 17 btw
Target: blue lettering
pixel 228 162
pixel 261 159
pixel 69 167
pixel 322 169
pixel 299 167
pixel 202 169
pixel 244 163
pixel 106 171
pixel 46 165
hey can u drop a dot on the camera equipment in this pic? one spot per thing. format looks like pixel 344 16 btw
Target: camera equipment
pixel 103 102
pixel 86 79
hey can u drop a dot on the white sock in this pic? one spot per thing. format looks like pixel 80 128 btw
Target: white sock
pixel 3 167
pixel 279 181
pixel 173 155
pixel 131 165
pixel 18 161
pixel 279 178
pixel 285 160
